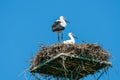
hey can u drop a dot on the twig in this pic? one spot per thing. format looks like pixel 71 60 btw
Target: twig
pixel 95 76
pixel 24 72
pixel 100 75
pixel 63 63
pixel 35 76
pixel 25 76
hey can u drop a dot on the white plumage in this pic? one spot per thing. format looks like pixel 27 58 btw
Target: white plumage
pixel 59 26
pixel 72 39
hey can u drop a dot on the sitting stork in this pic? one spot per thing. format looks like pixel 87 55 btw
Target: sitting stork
pixel 72 39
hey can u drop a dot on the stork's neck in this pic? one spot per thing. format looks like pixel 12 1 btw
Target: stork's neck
pixel 71 37
pixel 63 21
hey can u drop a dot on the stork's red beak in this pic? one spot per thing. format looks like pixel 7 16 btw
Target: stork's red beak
pixel 74 36
pixel 66 20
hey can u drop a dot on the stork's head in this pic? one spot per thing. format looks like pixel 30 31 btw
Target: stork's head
pixel 70 34
pixel 63 18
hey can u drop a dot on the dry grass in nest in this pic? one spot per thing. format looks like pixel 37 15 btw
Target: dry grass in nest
pixel 92 56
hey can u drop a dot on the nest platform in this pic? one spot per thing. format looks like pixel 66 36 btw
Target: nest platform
pixel 73 61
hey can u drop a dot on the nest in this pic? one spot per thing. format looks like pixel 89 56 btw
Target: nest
pixel 62 60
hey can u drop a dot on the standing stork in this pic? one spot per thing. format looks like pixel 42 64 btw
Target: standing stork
pixel 59 26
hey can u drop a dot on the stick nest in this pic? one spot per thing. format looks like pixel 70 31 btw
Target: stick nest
pixel 63 66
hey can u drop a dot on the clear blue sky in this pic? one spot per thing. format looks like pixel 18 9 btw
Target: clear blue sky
pixel 25 23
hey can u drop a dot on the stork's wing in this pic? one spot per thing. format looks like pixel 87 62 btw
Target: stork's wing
pixel 55 25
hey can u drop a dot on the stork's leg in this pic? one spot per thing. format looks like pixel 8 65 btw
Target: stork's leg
pixel 62 36
pixel 58 38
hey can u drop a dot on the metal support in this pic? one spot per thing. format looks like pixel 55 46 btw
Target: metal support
pixel 71 76
pixel 106 68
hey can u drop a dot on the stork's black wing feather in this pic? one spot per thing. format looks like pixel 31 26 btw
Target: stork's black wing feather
pixel 55 24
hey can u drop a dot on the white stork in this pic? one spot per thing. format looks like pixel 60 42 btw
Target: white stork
pixel 59 26
pixel 72 39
